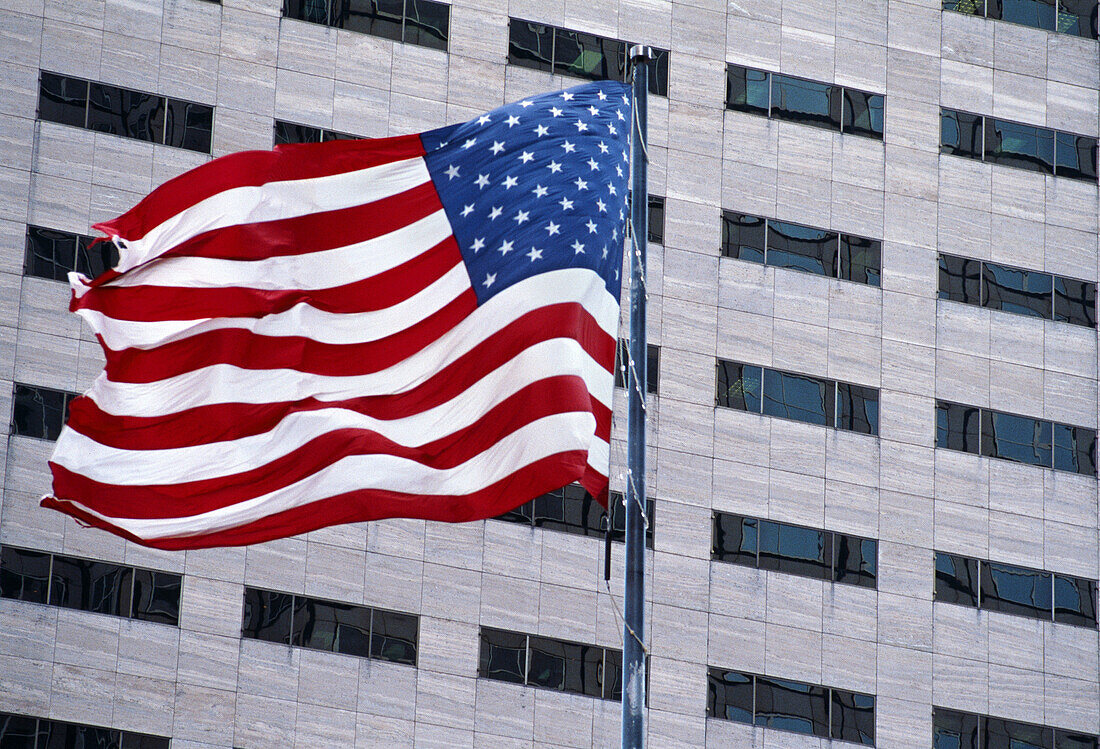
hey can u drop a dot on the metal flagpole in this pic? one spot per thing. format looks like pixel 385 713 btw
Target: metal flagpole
pixel 634 663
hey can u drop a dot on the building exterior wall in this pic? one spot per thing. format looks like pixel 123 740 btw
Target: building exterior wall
pixel 205 686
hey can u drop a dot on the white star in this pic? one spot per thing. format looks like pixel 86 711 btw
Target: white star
pixel 578 248
pixel 505 248
pixel 489 278
pixel 604 256
pixel 526 103
pixel 580 183
pixel 619 114
pixel 495 213
pixel 592 165
pixel 512 120
pixel 526 156
pixel 509 182
pixel 611 129
pixel 601 96
pixel 603 147
pixel 469 143
pixel 479 244
pixel 569 147
pixel 452 172
pixel 601 205
pixel 552 228
pixel 581 127
pixel 540 191
pixel 624 155
pixel 566 204
pixel 565 95
pixel 541 130
pixel 467 210
pixel 497 147
pixel 482 181
pixel 625 99
pixel 593 111
pixel 483 119
pixel 554 167
pixel 555 111
pixel 521 216
pixel 614 233
pixel 618 170
pixel 591 226
pixel 534 254
pixel 611 188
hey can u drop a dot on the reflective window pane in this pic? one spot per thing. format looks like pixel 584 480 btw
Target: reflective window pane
pixel 376 17
pixel 863 113
pixel 1075 301
pixel 653 363
pixel 1076 154
pixel 62 99
pixel 860 259
pixel 1075 449
pixel 792 706
pixel 1019 291
pixel 288 132
pixel 267 615
pixel 855 560
pixel 807 102
pixel 1073 740
pixel 1018 438
pixel 956 579
pixel 747 89
pixel 802 248
pixel 144 741
pixel 1007 734
pixel 1074 601
pixel 656 219
pixel 588 56
pixel 530 45
pixel 57 735
pixel 858 408
pixel 618 514
pixel 795 550
pixel 524 514
pixel 961 134
pixel 39 412
pixel 95 258
pixel 569 509
pixel 970 7
pixel 503 656
pixel 658 72
pixel 743 236
pixel 427 23
pixel 1018 145
pixel 90 586
pixel 314 11
pixel 1015 590
pixel 190 125
pixel 18 731
pixel 393 637
pixel 50 254
pixel 336 627
pixel 1035 13
pixel 958 427
pixel 729 695
pixel 799 397
pixel 735 539
pixel 565 666
pixel 739 386
pixel 1077 17
pixel 954 730
pixel 157 596
pixel 960 279
pixel 131 114
pixel 853 717
pixel 24 575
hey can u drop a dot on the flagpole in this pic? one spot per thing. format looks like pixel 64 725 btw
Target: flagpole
pixel 634 663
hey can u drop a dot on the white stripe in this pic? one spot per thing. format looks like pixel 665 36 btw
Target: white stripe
pixel 272 201
pixel 301 319
pixel 224 383
pixel 539 439
pixel 108 465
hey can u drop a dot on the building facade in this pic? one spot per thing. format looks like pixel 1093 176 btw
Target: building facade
pixel 873 410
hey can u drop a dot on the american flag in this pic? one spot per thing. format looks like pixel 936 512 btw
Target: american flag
pixel 420 326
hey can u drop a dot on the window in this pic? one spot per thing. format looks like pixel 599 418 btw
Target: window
pixel 1023 292
pixel 791 706
pixel 1076 17
pixel 995 586
pixel 54 254
pixel 785 97
pixel 27 732
pixel 89 585
pixel 289 132
pixel 421 22
pixel 38 411
pixel 548 663
pixel 332 626
pixel 656 220
pixel 578 54
pixel 954 729
pixel 573 510
pixel 769 545
pixel 800 397
pixel 1017 144
pixel 784 244
pixel 121 111
pixel 1019 438
pixel 652 366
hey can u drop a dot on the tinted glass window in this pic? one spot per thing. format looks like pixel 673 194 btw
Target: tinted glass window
pixel 743 236
pixel 808 102
pixel 1006 734
pixel 157 596
pixel 337 627
pixel 267 615
pixel 796 550
pixel 131 114
pixel 24 575
pixel 656 220
pixel 1075 449
pixel 503 656
pixel 735 539
pixel 739 386
pixel 658 73
pixel 571 509
pixel 427 23
pixel 564 666
pixel 1077 17
pixel 969 7
pixel 588 56
pixel 50 254
pixel 653 363
pixel 314 11
pixel 94 258
pixel 1015 590
pixel 288 132
pixel 863 113
pixel 802 248
pixel 954 730
pixel 1075 302
pixel 960 279
pixel 17 731
pixel 190 125
pixel 39 412
pixel 1019 291
pixel 393 637
pixel 747 90
pixel 853 717
pixel 956 579
pixel 530 45
pixel 144 741
pixel 855 560
pixel 1035 13
pixel 858 408
pixel 523 514
pixel 860 259
pixel 792 706
pixel 1018 438
pixel 729 695
pixel 1023 146
pixel 618 518
pixel 613 675
pixel 62 99
pixel 1076 155
pixel 90 586
pixel 961 134
pixel 378 17
pixel 58 735
pixel 798 397
pixel 957 427
pixel 1074 601
pixel 1072 740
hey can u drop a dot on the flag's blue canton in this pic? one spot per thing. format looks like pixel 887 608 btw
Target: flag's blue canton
pixel 538 185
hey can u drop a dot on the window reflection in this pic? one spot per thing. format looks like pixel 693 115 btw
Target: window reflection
pixel 730 695
pixel 802 248
pixel 807 102
pixel 739 386
pixel 961 134
pixel 792 706
pixel 1017 438
pixel 747 90
pixel 24 575
pixel 1038 14
pixel 39 412
pixel 790 548
pixel 954 730
pixel 864 113
pixel 1018 291
pixel 960 279
pixel 798 397
pixel 1015 590
pixel 743 236
pixel 958 427
pixel 1074 601
pixel 503 656
pixel 550 663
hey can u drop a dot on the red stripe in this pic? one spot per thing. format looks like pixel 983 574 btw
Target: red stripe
pixel 543 476
pixel 253 168
pixel 564 394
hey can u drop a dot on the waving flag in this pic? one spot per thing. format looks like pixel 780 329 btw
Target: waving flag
pixel 421 326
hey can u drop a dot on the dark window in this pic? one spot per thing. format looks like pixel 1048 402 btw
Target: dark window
pixel 1018 438
pixel 18 731
pixel 1015 590
pixel 961 134
pixel 855 561
pixel 1075 449
pixel 656 220
pixel 394 636
pixel 736 539
pixel 618 518
pixel 549 663
pixel 802 248
pixel 1007 734
pixel 1075 156
pixel 1019 291
pixel 288 132
pixel 157 596
pixel 1023 146
pixel 960 279
pixel 729 695
pixel 58 735
pixel 1075 301
pixel 421 22
pixel 1035 13
pixel 853 717
pixel 53 254
pixel 958 427
pixel 100 587
pixel 792 706
pixel 653 364
pixel 131 114
pixel 807 102
pixel 747 89
pixel 858 408
pixel 267 615
pixel 524 514
pixel 1077 17
pixel 1074 601
pixel 530 45
pixel 954 730
pixel 613 675
pixel 956 579
pixel 26 732
pixel 573 510
pixel 39 412
pixel 376 17
pixel 658 75
pixel 743 236
pixel 63 99
pixel 794 549
pixel 739 386
pixel 864 113
pixel 24 575
pixel 798 397
pixel 427 23
pixel 860 259
pixel 1073 740
pixel 189 125
pixel 336 627
pixel 503 656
